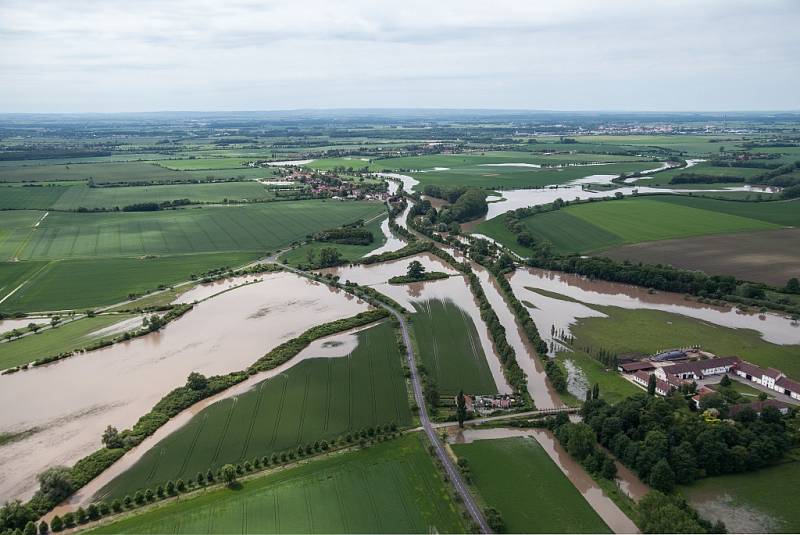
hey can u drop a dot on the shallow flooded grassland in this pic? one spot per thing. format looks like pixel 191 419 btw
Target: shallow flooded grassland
pixel 70 402
pixel 559 299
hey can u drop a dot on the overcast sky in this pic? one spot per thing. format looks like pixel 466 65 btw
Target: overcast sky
pixel 153 55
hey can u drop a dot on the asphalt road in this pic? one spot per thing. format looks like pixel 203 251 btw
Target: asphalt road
pixel 452 472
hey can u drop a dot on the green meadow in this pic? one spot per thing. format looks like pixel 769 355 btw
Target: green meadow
pixel 300 255
pixel 450 349
pixel 518 478
pixel 392 487
pixel 318 399
pixel 661 330
pixel 599 225
pixel 50 342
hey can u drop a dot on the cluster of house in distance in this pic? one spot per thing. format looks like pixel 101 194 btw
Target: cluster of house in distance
pixel 675 367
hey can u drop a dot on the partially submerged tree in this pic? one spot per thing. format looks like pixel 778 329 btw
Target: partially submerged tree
pixel 416 270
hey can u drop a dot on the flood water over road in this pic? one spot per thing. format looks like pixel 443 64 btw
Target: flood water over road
pixel 72 401
pixel 549 311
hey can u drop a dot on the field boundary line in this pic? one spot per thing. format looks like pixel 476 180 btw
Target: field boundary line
pixel 253 418
pixel 279 413
pixel 224 433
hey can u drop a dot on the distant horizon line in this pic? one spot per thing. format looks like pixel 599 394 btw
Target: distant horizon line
pixel 414 109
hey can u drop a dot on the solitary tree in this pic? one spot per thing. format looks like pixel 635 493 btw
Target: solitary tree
pixel 461 408
pixel 44 529
pixel 651 385
pixel 229 474
pixel 596 391
pixel 196 381
pixel 111 438
pixel 416 270
pixel 58 524
pixel 329 256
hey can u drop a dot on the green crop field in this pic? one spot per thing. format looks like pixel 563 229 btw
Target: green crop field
pixel 299 255
pixel 206 163
pixel 737 174
pixel 316 399
pixel 68 337
pixel 762 501
pixel 450 349
pixel 599 225
pixel 388 488
pixel 784 213
pixel 661 330
pixel 518 478
pixel 83 283
pixel 484 170
pixel 73 197
pixel 12 274
pixel 115 172
pixel 255 227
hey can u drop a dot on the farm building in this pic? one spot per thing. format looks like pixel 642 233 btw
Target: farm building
pixel 642 378
pixel 635 366
pixel 480 403
pixel 769 377
pixel 786 386
pixel 757 374
pixel 758 406
pixel 697 369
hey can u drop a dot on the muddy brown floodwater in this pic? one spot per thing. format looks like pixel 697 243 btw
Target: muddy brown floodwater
pixel 72 401
pixel 602 504
pixel 333 346
pixel 454 289
pixel 549 311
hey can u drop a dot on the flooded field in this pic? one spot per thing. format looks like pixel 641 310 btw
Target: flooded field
pixel 548 311
pixel 454 289
pixel 541 391
pixel 70 402
pixel 602 504
pixel 334 346
pixel 21 323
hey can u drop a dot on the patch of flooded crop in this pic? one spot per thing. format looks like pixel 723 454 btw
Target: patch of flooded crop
pixel 72 401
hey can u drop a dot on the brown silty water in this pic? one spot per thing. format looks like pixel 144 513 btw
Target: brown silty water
pixel 594 495
pixel 333 346
pixel 562 314
pixel 454 289
pixel 71 402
